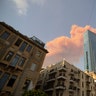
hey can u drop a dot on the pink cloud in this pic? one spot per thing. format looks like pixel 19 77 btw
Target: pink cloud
pixel 70 48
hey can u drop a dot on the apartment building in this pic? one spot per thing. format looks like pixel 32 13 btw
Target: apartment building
pixel 21 59
pixel 64 79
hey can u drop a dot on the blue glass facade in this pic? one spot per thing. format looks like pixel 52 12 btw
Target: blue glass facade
pixel 90 51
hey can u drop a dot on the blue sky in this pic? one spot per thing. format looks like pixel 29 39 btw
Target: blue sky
pixel 48 19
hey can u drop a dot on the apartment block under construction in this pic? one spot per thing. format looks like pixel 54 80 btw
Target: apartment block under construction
pixel 64 79
pixel 21 59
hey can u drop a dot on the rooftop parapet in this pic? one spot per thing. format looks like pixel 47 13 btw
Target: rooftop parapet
pixel 38 41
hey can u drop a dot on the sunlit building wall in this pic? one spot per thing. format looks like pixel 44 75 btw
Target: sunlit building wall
pixel 64 79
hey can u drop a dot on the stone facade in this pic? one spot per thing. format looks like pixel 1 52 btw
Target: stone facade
pixel 64 79
pixel 21 59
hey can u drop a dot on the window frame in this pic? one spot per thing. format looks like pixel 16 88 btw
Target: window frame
pixel 18 42
pixel 38 54
pixel 22 62
pixel 26 84
pixel 15 59
pixel 3 80
pixel 9 56
pixel 12 81
pixel 29 48
pixel 1 73
pixel 23 46
pixel 5 35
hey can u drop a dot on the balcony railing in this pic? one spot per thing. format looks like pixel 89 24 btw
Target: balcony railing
pixel 72 79
pixel 52 71
pixel 88 87
pixel 49 88
pixel 71 88
pixel 62 69
pixel 60 86
pixel 61 76
pixel 51 79
pixel 88 81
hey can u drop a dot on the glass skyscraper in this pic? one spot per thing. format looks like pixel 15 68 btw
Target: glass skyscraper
pixel 90 51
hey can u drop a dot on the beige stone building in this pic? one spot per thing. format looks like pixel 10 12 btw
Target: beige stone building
pixel 93 75
pixel 64 79
pixel 21 59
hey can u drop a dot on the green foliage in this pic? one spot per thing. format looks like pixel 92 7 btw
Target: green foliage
pixel 34 93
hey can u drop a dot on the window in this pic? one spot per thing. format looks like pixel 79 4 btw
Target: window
pixel 29 48
pixel 26 84
pixel 21 62
pixel 15 60
pixel 18 42
pixel 12 81
pixel 82 84
pixel 87 66
pixel 3 80
pixel 9 56
pixel 82 93
pixel 5 35
pixel 1 28
pixel 23 46
pixel 38 54
pixel 82 76
pixel 33 67
pixel 0 73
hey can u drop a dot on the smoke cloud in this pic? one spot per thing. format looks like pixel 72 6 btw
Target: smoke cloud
pixel 22 5
pixel 70 48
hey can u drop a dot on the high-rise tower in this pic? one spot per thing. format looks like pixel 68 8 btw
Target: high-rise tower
pixel 90 51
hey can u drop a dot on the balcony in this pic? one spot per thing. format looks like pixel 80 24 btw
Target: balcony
pixel 78 79
pixel 61 76
pixel 71 72
pixel 51 79
pixel 88 94
pixel 88 81
pixel 71 79
pixel 88 87
pixel 52 71
pixel 60 87
pixel 72 88
pixel 49 88
pixel 62 69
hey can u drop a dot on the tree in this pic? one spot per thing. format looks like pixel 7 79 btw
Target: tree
pixel 34 93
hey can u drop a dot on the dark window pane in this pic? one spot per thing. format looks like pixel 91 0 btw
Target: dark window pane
pixel 21 62
pixel 3 80
pixel 0 73
pixel 5 35
pixel 15 60
pixel 18 42
pixel 1 28
pixel 23 46
pixel 9 56
pixel 26 84
pixel 12 81
pixel 29 48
